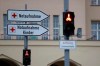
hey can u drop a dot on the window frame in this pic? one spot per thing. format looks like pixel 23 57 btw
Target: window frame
pixel 95 3
pixel 97 30
pixel 56 27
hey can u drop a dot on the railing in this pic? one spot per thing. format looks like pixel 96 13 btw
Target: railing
pixel 56 37
pixel 47 37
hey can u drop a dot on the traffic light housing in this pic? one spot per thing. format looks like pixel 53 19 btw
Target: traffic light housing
pixel 26 57
pixel 68 23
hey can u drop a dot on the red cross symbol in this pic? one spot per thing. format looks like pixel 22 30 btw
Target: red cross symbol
pixel 14 15
pixel 12 29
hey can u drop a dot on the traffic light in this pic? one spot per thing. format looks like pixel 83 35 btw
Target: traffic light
pixel 68 23
pixel 26 57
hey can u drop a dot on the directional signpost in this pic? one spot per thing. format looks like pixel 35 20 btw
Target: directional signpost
pixel 26 15
pixel 25 29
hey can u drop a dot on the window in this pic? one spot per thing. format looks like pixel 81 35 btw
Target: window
pixel 56 21
pixel 56 34
pixel 95 2
pixel 56 27
pixel 95 30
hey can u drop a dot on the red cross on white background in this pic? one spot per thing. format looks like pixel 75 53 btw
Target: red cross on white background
pixel 12 29
pixel 14 15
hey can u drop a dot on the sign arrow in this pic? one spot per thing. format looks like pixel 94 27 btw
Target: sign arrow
pixel 26 29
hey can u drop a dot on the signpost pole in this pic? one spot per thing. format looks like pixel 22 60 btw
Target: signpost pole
pixel 25 42
pixel 26 37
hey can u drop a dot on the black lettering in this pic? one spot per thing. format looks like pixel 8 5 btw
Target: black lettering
pixel 27 32
pixel 29 16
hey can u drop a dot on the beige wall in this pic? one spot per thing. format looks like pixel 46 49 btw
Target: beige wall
pixel 46 52
pixel 92 13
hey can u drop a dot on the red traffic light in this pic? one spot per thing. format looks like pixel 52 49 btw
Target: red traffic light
pixel 26 53
pixel 68 23
pixel 26 57
pixel 68 18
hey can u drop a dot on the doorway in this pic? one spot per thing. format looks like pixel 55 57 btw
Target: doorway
pixel 61 63
pixel 7 62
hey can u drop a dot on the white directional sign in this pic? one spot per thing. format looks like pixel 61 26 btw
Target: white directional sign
pixel 25 29
pixel 67 44
pixel 26 15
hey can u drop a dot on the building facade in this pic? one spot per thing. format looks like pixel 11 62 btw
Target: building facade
pixel 45 49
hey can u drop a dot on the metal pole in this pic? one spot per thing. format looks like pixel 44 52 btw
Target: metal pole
pixel 26 37
pixel 25 42
pixel 66 62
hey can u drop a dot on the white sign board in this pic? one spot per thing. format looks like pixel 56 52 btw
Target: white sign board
pixel 67 44
pixel 26 15
pixel 25 29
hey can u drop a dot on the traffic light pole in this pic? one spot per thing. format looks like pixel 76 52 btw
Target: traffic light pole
pixel 26 37
pixel 66 62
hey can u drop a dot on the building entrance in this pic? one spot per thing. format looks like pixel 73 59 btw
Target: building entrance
pixel 7 62
pixel 61 63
